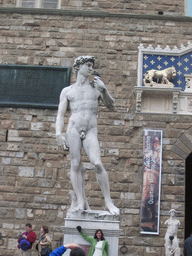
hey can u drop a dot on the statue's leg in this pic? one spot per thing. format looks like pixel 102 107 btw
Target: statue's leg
pixel 74 141
pixel 83 184
pixel 91 146
pixel 176 246
pixel 167 247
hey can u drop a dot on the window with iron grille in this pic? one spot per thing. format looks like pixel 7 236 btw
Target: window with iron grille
pixel 47 4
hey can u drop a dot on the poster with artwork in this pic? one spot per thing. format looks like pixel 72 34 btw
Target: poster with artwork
pixel 152 163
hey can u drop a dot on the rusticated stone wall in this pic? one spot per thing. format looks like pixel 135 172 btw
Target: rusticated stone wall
pixel 171 7
pixel 34 180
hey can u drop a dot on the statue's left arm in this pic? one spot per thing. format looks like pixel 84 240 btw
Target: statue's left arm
pixel 105 96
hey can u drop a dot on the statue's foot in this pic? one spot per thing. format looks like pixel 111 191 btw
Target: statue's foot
pixel 112 208
pixel 79 207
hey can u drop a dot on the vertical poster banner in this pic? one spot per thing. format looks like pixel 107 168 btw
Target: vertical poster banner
pixel 152 163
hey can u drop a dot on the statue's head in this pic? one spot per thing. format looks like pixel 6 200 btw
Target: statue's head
pixel 171 73
pixel 82 60
pixel 172 212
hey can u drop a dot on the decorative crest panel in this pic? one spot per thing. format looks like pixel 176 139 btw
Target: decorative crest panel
pixel 164 80
pixel 160 59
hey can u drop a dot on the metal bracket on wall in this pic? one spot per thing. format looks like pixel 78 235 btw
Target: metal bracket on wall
pixel 1 240
pixel 123 249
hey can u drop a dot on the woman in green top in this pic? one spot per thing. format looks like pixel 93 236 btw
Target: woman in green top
pixel 99 246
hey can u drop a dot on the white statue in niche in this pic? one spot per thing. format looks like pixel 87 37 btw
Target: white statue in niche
pixel 83 99
pixel 171 240
pixel 188 80
pixel 159 78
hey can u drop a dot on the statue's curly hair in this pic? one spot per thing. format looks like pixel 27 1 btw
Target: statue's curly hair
pixel 81 60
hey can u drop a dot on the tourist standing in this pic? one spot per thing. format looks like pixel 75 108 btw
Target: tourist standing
pixel 44 241
pixel 26 240
pixel 99 246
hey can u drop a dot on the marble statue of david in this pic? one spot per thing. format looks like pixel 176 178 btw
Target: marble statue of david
pixel 83 99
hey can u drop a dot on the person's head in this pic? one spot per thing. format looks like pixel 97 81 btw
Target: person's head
pixel 99 235
pixel 44 229
pixel 77 252
pixel 28 227
pixel 84 64
pixel 156 143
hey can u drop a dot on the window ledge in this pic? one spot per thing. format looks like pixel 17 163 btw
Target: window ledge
pixel 89 13
pixel 163 100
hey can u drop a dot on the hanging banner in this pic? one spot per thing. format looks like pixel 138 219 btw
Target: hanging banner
pixel 152 162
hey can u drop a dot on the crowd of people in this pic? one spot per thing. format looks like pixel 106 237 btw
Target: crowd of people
pixel 99 246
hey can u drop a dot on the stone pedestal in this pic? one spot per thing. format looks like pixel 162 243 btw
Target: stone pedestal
pixel 90 221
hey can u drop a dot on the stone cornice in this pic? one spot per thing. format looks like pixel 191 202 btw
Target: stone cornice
pixel 90 13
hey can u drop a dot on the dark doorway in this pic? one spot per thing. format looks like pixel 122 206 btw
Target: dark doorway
pixel 188 196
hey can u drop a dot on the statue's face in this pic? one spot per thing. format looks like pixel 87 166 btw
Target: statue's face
pixel 172 213
pixel 86 69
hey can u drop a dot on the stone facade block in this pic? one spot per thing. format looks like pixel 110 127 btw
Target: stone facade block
pixel 12 244
pixel 26 171
pixel 19 213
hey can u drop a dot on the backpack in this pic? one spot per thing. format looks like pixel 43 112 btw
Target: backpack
pixel 24 244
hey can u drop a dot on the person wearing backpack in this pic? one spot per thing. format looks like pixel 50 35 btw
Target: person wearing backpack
pixel 26 240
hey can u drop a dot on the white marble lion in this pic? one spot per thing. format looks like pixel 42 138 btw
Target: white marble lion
pixel 159 78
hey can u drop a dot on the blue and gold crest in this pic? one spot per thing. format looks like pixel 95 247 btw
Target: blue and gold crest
pixel 161 59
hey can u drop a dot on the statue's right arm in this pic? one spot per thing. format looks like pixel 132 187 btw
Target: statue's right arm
pixel 62 109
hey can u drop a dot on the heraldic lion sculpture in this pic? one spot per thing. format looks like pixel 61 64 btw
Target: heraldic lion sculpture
pixel 159 78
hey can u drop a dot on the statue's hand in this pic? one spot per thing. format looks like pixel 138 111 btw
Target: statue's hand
pixel 98 84
pixel 62 141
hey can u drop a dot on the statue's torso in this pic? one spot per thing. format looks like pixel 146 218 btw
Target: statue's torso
pixel 83 102
pixel 172 226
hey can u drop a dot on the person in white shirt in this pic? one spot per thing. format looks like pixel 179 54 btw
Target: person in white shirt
pixel 99 246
